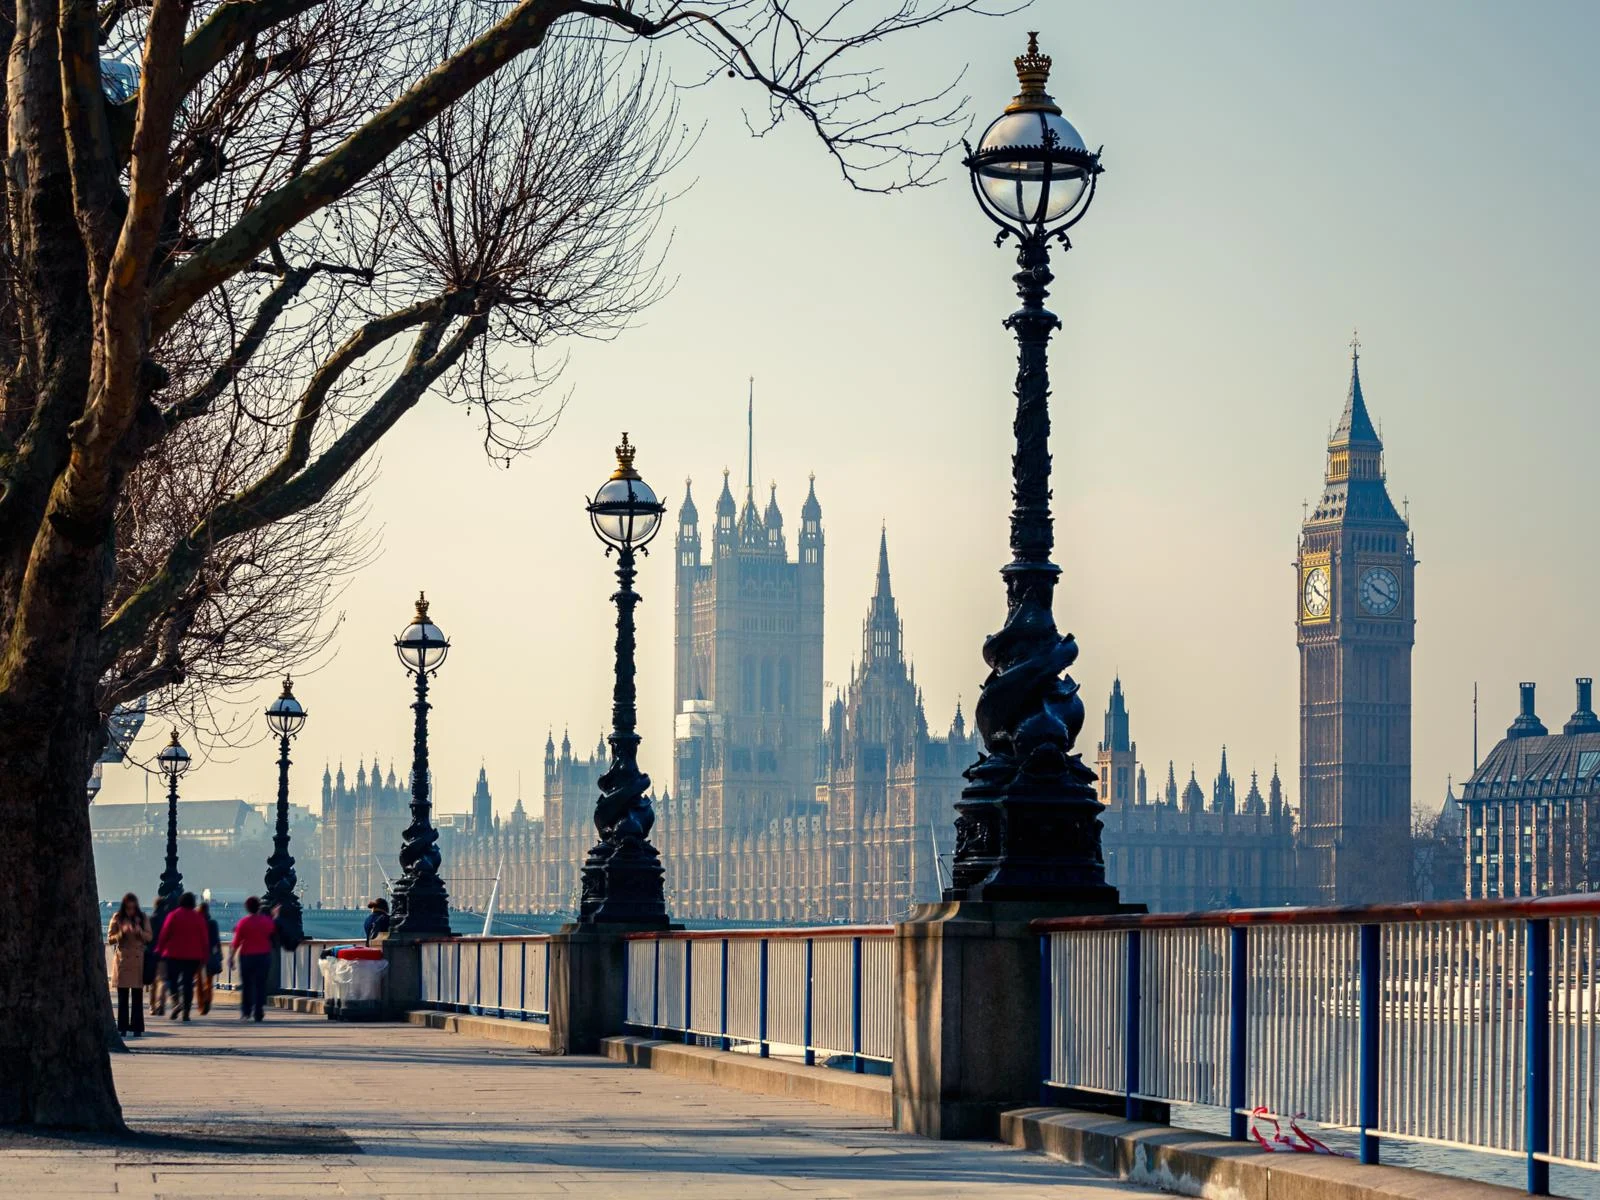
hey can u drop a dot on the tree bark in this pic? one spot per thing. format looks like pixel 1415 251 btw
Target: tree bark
pixel 54 1069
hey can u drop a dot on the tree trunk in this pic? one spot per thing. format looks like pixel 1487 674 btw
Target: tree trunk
pixel 55 1068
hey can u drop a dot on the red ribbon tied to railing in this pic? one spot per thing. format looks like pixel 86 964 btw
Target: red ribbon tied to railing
pixel 1296 1141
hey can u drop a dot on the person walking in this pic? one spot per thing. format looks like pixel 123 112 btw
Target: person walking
pixel 252 946
pixel 153 982
pixel 213 964
pixel 130 934
pixel 183 945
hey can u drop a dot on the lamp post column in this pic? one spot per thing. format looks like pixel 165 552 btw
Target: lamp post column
pixel 171 879
pixel 622 878
pixel 421 904
pixel 1028 823
pixel 281 879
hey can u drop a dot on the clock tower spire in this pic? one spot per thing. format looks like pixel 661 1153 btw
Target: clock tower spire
pixel 1355 626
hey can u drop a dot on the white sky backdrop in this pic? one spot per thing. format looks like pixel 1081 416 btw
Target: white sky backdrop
pixel 1277 174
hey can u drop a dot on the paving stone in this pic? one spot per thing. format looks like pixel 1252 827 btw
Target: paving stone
pixel 302 1106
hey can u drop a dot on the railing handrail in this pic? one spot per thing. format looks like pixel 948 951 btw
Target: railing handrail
pixel 1576 905
pixel 477 940
pixel 774 934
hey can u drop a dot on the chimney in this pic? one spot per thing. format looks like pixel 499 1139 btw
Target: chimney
pixel 1527 723
pixel 1584 719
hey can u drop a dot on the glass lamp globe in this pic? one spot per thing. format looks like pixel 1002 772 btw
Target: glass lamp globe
pixel 284 715
pixel 625 511
pixel 422 646
pixel 1031 167
pixel 173 759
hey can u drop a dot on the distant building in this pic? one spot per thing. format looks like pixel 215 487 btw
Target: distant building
pixel 361 828
pixel 1355 625
pixel 1175 853
pixel 871 833
pixel 222 845
pixel 1533 807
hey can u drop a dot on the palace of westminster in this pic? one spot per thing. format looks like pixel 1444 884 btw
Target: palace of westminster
pixel 786 805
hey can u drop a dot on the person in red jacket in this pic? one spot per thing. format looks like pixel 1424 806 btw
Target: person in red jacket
pixel 252 945
pixel 183 945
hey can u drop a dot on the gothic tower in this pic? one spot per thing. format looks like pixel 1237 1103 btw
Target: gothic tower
pixel 1114 761
pixel 1355 625
pixel 747 694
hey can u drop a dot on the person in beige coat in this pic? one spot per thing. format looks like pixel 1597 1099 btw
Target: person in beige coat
pixel 130 934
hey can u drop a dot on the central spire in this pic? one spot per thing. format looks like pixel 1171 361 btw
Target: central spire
pixel 883 589
pixel 1355 426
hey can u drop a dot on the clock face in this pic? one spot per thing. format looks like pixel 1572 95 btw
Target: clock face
pixel 1380 591
pixel 1316 593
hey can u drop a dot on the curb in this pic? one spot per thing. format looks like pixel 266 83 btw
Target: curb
pixel 1201 1164
pixel 867 1094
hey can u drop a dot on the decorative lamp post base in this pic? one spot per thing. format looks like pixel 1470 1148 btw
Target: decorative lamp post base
pixel 622 885
pixel 1042 848
pixel 421 911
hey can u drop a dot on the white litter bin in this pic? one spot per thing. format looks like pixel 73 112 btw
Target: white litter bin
pixel 352 988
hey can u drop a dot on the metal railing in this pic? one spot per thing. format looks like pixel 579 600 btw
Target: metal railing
pixel 1473 1024
pixel 503 977
pixel 823 991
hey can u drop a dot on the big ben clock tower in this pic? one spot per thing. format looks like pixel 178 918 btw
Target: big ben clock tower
pixel 1356 625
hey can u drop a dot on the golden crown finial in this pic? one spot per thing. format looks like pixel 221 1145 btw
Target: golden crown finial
pixel 422 608
pixel 1033 72
pixel 625 454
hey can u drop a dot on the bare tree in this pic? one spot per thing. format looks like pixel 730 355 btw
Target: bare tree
pixel 225 277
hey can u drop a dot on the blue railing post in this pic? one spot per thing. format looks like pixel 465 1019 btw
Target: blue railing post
pixel 811 1055
pixel 855 1006
pixel 1537 1022
pixel 477 980
pixel 766 1049
pixel 1130 1052
pixel 1371 1024
pixel 1238 1031
pixel 688 991
pixel 547 982
pixel 655 992
pixel 727 1042
pixel 500 978
pixel 1046 1019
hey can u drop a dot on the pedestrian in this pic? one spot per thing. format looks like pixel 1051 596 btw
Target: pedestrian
pixel 252 946
pixel 183 946
pixel 130 933
pixel 377 920
pixel 154 984
pixel 213 965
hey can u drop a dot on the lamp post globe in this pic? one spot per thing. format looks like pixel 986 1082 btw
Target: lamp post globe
pixel 285 717
pixel 622 876
pixel 420 906
pixel 1028 821
pixel 173 762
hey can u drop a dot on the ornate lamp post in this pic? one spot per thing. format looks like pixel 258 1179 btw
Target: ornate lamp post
pixel 421 906
pixel 173 761
pixel 622 877
pixel 1028 823
pixel 285 717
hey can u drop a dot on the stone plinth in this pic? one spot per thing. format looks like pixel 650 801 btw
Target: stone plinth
pixel 402 982
pixel 588 984
pixel 967 994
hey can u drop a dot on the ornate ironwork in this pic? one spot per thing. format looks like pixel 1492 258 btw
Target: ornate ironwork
pixel 281 879
pixel 622 877
pixel 171 879
pixel 421 906
pixel 1028 823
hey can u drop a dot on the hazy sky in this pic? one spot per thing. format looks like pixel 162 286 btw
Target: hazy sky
pixel 1277 175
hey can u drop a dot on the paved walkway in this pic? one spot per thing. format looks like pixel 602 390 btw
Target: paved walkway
pixel 301 1106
